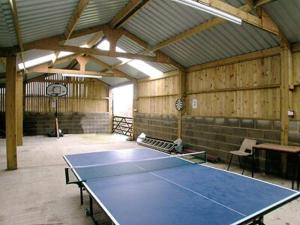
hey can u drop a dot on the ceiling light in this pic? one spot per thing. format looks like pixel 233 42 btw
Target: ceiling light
pixel 81 76
pixel 205 8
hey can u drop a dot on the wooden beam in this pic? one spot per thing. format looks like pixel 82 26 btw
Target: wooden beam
pixel 182 95
pixel 10 113
pixel 58 39
pixel 19 109
pixel 259 3
pixel 45 69
pixel 237 59
pixel 159 53
pixel 244 11
pixel 134 109
pixel 286 74
pixel 245 16
pixel 75 17
pixel 90 51
pixel 14 12
pixel 55 40
pixel 110 109
pixel 73 22
pixel 109 67
pixel 127 12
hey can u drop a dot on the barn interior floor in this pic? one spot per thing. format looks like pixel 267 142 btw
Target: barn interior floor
pixel 36 193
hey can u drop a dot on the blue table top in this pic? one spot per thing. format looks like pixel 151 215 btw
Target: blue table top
pixel 180 195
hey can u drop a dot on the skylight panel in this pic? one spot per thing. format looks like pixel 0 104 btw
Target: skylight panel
pixel 37 61
pixel 137 64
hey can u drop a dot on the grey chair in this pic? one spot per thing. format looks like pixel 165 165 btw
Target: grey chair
pixel 246 150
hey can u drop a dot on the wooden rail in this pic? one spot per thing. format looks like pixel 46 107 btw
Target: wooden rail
pixel 122 125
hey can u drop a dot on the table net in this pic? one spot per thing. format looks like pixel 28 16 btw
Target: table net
pixel 90 172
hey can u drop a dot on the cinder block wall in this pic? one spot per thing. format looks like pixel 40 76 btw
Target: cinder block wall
pixel 69 123
pixel 158 126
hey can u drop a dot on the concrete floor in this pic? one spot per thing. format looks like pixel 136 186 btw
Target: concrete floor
pixel 36 194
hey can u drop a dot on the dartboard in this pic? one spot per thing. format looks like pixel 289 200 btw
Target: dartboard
pixel 179 104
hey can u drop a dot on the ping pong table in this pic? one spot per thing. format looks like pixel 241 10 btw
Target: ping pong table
pixel 145 186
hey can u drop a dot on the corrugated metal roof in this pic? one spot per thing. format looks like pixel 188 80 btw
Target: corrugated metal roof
pixel 223 41
pixel 34 54
pixel 113 81
pixel 159 20
pixel 287 16
pixel 7 30
pixel 100 12
pixel 131 46
pixel 82 40
pixel 43 18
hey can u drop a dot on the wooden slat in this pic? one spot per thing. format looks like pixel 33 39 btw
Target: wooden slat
pixel 237 59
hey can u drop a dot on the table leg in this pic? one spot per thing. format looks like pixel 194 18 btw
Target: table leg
pixel 253 164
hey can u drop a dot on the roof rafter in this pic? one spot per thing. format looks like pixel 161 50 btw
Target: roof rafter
pixel 259 3
pixel 114 54
pixel 14 11
pixel 46 69
pixel 74 19
pixel 108 67
pixel 242 12
pixel 127 12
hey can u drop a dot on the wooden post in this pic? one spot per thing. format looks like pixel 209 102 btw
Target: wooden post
pixel 286 74
pixel 10 113
pixel 181 94
pixel 134 109
pixel 110 109
pixel 19 108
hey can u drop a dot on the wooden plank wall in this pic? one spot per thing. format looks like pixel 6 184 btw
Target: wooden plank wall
pixel 158 96
pixel 85 96
pixel 296 81
pixel 242 90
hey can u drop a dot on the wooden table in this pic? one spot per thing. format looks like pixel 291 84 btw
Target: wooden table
pixel 286 149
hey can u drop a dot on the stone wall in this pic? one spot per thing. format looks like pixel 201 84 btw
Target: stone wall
pixel 158 126
pixel 69 123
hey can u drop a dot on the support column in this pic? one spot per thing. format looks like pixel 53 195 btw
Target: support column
pixel 134 109
pixel 110 109
pixel 19 109
pixel 286 74
pixel 181 94
pixel 11 113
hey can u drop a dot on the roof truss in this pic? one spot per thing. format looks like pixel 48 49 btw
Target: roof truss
pixel 127 12
pixel 242 12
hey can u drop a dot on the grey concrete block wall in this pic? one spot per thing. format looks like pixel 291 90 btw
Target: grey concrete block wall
pixel 69 123
pixel 219 136
pixel 158 126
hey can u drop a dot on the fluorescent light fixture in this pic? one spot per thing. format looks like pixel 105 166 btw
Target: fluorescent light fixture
pixel 205 8
pixel 81 76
